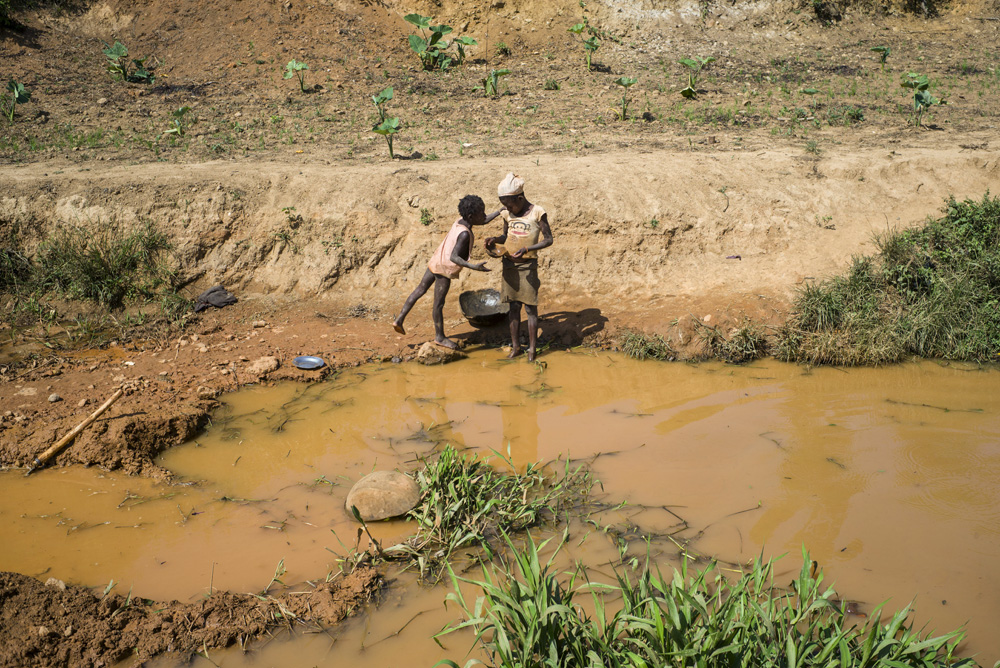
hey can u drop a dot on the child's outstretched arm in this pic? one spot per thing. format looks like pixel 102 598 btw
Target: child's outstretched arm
pixel 461 252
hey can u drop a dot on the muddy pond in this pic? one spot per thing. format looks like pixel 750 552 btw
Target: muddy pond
pixel 887 476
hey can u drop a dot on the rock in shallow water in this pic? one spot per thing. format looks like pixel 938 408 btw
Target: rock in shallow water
pixel 431 353
pixel 383 494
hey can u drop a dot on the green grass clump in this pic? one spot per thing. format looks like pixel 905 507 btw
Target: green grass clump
pixel 108 266
pixel 465 503
pixel 932 292
pixel 530 616
pixel 645 346
pixel 747 343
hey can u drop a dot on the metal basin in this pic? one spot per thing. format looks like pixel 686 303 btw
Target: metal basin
pixel 483 307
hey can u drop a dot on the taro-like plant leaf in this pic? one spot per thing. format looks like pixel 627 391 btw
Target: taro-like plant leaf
pixel 809 91
pixel 625 82
pixel 418 20
pixel 441 30
pixel 18 91
pixel 591 44
pixel 577 29
pixel 389 126
pixel 115 52
pixel 689 93
pixel 923 98
pixel 915 81
pixel 690 63
pixel 383 97
pixel 418 44
pixel 883 52
pixel 466 41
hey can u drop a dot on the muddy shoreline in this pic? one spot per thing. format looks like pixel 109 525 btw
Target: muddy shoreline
pixel 56 624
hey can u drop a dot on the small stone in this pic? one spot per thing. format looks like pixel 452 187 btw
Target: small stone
pixel 68 631
pixel 102 101
pixel 54 398
pixel 164 373
pixel 58 584
pixel 202 348
pixel 263 366
pixel 707 318
pixel 206 392
pixel 257 324
pixel 383 494
pixel 430 353
pixel 82 403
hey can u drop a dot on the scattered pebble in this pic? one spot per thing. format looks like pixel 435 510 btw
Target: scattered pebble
pixel 82 403
pixel 54 398
pixel 257 324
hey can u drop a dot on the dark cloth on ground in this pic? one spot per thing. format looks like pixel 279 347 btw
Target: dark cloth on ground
pixel 216 296
pixel 520 282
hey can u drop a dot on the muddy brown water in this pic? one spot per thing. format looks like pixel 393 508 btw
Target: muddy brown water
pixel 888 476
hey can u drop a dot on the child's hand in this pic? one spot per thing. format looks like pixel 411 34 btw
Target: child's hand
pixel 490 242
pixel 518 253
pixel 480 267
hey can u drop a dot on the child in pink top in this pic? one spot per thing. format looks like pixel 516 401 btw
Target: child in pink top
pixel 447 263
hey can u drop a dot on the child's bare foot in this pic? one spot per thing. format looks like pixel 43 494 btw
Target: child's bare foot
pixel 531 355
pixel 398 326
pixel 446 343
pixel 514 352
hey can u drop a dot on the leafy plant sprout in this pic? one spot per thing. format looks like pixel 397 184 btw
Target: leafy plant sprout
pixel 491 83
pixel 626 83
pixel 386 126
pixel 430 45
pixel 18 95
pixel 883 54
pixel 118 67
pixel 502 49
pixel 695 66
pixel 590 44
pixel 294 68
pixel 177 121
pixel 922 98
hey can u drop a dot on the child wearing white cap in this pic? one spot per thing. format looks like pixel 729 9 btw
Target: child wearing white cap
pixel 523 223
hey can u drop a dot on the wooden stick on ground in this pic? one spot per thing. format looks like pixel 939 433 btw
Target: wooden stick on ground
pixel 58 447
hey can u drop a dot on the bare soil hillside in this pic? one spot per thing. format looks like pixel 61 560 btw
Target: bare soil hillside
pixel 794 148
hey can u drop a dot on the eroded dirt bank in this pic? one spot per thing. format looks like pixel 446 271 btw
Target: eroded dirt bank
pixel 734 237
pixel 55 624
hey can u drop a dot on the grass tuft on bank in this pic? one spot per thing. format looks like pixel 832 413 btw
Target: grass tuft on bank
pixel 108 265
pixel 531 615
pixel 932 292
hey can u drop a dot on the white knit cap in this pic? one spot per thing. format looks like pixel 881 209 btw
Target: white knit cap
pixel 512 184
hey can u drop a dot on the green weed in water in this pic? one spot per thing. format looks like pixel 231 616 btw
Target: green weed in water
pixel 642 346
pixel 467 503
pixel 531 615
pixel 746 343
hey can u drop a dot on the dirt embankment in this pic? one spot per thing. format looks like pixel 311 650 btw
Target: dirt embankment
pixel 636 246
pixel 54 624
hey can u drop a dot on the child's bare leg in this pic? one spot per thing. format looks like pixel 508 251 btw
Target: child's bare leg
pixel 441 286
pixel 532 312
pixel 418 292
pixel 514 320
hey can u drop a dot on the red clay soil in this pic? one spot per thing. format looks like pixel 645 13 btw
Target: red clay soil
pixel 54 624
